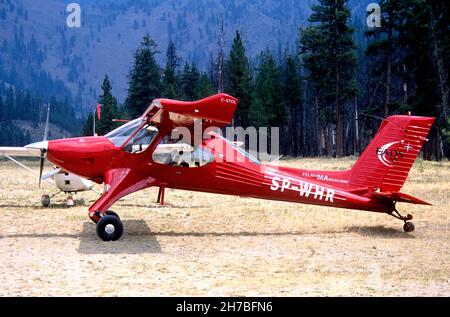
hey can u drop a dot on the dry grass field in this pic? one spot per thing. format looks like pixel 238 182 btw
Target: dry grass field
pixel 203 244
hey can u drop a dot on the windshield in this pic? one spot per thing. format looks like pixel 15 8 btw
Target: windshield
pixel 122 133
pixel 142 139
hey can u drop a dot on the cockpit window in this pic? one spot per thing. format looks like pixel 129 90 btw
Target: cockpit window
pixel 124 132
pixel 142 139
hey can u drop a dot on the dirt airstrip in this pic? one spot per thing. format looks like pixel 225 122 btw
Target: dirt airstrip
pixel 203 244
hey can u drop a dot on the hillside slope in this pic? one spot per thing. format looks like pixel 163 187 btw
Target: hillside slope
pixel 78 58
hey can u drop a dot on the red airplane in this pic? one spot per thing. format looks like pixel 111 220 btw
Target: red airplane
pixel 139 155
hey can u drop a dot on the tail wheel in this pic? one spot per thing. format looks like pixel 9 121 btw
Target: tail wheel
pixel 409 226
pixel 109 228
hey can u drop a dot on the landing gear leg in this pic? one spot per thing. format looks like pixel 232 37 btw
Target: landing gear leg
pixel 160 199
pixel 97 215
pixel 408 226
pixel 119 182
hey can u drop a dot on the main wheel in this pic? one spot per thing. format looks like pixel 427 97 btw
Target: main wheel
pixel 408 226
pixel 45 200
pixel 109 228
pixel 112 213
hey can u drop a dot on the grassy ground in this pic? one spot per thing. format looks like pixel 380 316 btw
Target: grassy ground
pixel 203 244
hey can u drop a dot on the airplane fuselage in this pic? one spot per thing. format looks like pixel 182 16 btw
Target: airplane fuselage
pixel 264 182
pixel 93 157
pixel 144 153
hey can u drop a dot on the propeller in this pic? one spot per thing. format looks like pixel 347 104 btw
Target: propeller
pixel 41 166
pixel 43 151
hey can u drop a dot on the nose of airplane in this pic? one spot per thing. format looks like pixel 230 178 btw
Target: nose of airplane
pixel 43 146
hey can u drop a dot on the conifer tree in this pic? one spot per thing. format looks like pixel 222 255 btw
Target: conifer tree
pixel 145 79
pixel 10 104
pixel 311 51
pixel 268 108
pixel 205 87
pixel 291 90
pixel 89 125
pixel 190 79
pixel 1 109
pixel 329 42
pixel 108 109
pixel 238 83
pixel 383 46
pixel 170 80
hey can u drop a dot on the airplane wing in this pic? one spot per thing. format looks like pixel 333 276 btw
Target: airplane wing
pixel 215 111
pixel 20 151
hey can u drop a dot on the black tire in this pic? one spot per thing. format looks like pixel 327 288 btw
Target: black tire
pixel 45 200
pixel 112 213
pixel 109 228
pixel 409 226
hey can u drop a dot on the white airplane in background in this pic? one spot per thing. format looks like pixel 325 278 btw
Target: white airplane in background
pixel 65 182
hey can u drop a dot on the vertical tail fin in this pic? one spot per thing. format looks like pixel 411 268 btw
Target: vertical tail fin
pixel 387 160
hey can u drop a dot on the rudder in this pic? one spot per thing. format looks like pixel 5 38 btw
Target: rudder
pixel 387 160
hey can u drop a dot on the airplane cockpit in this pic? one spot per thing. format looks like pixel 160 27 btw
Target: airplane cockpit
pixel 176 152
pixel 138 135
pixel 140 132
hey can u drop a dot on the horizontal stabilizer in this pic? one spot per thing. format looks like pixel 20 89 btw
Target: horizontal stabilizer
pixel 401 197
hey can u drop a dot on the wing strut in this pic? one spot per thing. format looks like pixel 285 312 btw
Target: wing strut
pixel 27 168
pixel 161 191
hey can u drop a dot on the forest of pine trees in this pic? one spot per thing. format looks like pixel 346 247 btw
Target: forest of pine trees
pixel 22 105
pixel 329 94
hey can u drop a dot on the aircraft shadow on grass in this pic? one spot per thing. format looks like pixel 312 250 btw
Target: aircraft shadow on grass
pixel 138 239
pixel 379 232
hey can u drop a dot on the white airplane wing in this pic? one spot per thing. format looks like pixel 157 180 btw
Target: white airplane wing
pixel 19 151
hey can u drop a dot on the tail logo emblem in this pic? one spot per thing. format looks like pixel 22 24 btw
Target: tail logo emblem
pixel 386 155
